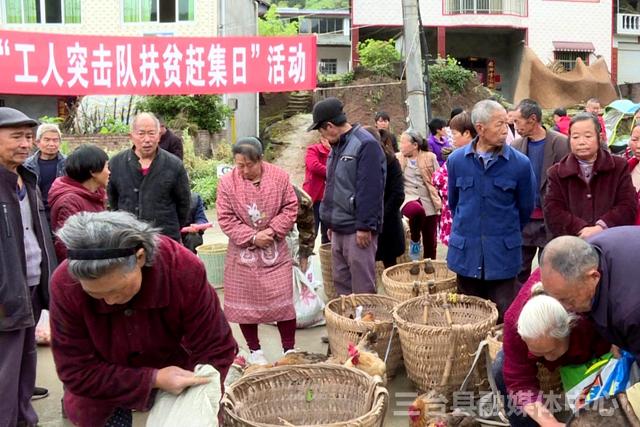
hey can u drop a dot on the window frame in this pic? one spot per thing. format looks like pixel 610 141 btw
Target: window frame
pixel 43 14
pixel 157 20
pixel 570 65
pixel 328 61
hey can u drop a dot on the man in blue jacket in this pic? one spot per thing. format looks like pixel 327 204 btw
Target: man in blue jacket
pixel 353 196
pixel 491 195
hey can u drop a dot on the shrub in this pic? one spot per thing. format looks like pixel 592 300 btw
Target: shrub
pixel 206 111
pixel 272 25
pixel 378 56
pixel 450 74
pixel 203 174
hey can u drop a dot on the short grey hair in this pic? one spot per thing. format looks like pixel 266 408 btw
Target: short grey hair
pixel 483 111
pixel 142 115
pixel 250 147
pixel 47 127
pixel 569 256
pixel 544 316
pixel 98 230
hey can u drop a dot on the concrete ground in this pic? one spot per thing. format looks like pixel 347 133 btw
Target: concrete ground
pixel 400 388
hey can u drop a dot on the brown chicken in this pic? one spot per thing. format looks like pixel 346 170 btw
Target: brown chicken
pixel 256 368
pixel 300 358
pixel 365 358
pixel 368 317
pixel 423 412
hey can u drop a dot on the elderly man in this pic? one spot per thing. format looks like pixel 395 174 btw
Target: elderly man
pixel 352 204
pixel 544 148
pixel 47 162
pixel 26 263
pixel 491 196
pixel 598 277
pixel 149 182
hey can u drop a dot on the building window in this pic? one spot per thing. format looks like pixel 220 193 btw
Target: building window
pixel 328 66
pixel 321 25
pixel 568 59
pixel 158 10
pixel 42 11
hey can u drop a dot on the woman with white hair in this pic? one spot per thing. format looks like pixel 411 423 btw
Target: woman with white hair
pixel 131 313
pixel 537 329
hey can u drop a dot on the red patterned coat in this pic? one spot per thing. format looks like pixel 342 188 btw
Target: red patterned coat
pixel 257 282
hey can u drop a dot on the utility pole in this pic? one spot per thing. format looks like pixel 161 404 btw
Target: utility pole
pixel 416 100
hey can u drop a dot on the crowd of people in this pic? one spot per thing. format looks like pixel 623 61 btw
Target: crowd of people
pixel 102 243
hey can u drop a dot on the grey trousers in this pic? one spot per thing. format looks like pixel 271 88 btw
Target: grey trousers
pixel 354 268
pixel 18 357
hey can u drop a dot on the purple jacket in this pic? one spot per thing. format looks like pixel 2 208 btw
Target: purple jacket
pixel 436 146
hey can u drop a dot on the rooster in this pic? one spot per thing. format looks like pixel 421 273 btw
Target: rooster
pixel 300 358
pixel 365 358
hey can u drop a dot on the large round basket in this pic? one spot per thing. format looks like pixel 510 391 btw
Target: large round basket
pixel 213 257
pixel 550 381
pixel 306 395
pixel 401 284
pixel 343 329
pixel 440 335
pixel 327 272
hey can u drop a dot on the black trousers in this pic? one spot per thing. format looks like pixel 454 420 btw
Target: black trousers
pixel 501 292
pixel 323 228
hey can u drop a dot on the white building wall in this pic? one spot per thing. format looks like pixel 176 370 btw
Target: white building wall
pixel 570 21
pixel 545 20
pixel 341 53
pixel 105 17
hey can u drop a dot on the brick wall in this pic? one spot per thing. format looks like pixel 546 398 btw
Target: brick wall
pixel 109 143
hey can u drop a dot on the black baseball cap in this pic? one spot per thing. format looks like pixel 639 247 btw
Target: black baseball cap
pixel 10 117
pixel 329 109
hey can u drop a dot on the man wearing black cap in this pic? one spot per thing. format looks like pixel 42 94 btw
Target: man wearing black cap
pixel 26 264
pixel 353 196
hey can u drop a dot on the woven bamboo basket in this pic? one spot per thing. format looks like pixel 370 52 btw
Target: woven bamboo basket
pixel 400 284
pixel 343 330
pixel 440 335
pixel 213 257
pixel 550 381
pixel 327 272
pixel 306 395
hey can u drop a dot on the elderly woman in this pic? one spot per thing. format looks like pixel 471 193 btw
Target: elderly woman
pixel 633 162
pixel 81 190
pixel 589 190
pixel 131 312
pixel 422 204
pixel 257 207
pixel 537 329
pixel 462 133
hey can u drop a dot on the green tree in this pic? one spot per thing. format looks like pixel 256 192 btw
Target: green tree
pixel 205 111
pixel 378 55
pixel 272 25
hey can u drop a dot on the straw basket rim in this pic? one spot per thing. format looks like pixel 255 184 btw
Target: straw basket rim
pixel 377 394
pixel 212 248
pixel 450 298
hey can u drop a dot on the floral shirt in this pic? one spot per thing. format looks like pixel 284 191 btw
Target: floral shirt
pixel 440 178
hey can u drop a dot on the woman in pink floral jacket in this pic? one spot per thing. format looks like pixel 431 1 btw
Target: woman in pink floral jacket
pixel 463 132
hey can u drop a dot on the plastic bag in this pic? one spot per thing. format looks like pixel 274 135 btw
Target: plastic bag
pixel 604 376
pixel 43 330
pixel 309 306
pixel 197 406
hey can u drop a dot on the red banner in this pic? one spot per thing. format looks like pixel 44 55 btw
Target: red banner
pixel 56 64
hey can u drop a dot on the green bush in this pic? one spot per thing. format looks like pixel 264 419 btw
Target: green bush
pixel 272 25
pixel 378 56
pixel 114 126
pixel 206 111
pixel 207 187
pixel 450 74
pixel 202 172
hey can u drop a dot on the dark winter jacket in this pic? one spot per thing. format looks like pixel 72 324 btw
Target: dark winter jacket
pixel 172 143
pixel 32 164
pixel 15 300
pixel 572 204
pixel 67 197
pixel 391 241
pixel 353 195
pixel 161 198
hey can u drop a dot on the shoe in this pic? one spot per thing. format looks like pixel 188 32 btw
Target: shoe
pixel 257 358
pixel 39 393
pixel 414 250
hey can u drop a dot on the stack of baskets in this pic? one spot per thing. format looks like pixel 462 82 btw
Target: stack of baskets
pixel 440 335
pixel 327 272
pixel 550 381
pixel 213 257
pixel 306 395
pixel 343 329
pixel 399 282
